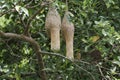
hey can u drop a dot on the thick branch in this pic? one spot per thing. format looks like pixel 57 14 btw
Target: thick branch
pixel 35 46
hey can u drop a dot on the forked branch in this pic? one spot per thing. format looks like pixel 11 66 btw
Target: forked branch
pixel 36 49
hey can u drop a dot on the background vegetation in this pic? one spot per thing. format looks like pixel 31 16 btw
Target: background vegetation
pixel 97 39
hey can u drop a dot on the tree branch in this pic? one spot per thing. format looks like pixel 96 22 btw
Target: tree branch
pixel 101 73
pixel 26 32
pixel 23 75
pixel 35 46
pixel 59 55
pixel 7 12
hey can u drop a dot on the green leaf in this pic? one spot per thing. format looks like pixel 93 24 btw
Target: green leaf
pixel 43 36
pixel 17 8
pixel 17 76
pixel 72 15
pixel 117 62
pixel 21 9
pixel 104 33
pixel 113 71
pixel 25 11
pixel 119 58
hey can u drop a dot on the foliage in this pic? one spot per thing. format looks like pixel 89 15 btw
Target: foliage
pixel 97 39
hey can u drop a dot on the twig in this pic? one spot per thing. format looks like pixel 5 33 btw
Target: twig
pixel 28 74
pixel 34 6
pixel 7 11
pixel 59 55
pixel 26 32
pixel 81 61
pixel 23 75
pixel 24 25
pixel 28 3
pixel 101 73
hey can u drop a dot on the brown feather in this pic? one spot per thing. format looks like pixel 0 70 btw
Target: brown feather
pixel 68 32
pixel 53 26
